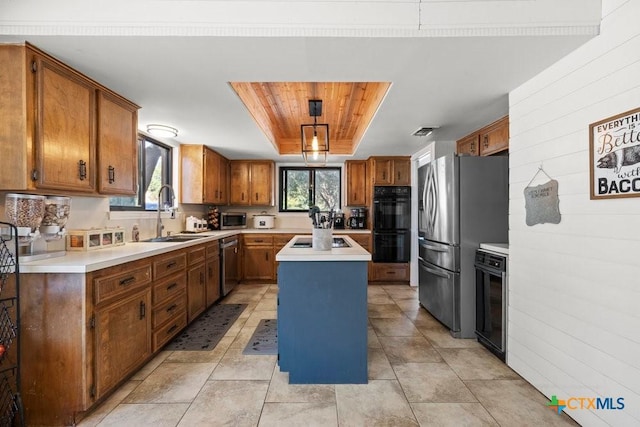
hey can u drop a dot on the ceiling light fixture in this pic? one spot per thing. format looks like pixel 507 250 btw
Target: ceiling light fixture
pixel 162 131
pixel 315 137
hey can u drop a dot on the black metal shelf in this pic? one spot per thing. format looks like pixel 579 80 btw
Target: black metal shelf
pixel 11 411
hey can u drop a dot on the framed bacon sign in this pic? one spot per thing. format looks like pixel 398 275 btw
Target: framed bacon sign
pixel 614 153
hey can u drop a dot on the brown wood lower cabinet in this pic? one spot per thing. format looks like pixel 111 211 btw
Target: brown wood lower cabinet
pixel 196 282
pixel 122 337
pixel 83 334
pixel 257 257
pixel 121 323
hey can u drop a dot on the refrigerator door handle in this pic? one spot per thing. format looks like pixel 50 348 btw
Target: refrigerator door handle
pixel 432 247
pixel 437 272
pixel 431 196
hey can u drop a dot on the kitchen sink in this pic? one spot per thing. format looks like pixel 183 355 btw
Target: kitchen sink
pixel 306 242
pixel 169 239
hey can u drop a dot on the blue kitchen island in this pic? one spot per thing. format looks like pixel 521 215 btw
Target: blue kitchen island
pixel 322 313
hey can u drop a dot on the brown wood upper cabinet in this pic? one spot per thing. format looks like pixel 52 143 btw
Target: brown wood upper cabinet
pixel 495 137
pixel 356 182
pixel 491 139
pixel 117 148
pixel 65 128
pixel 203 175
pixel 55 117
pixel 251 182
pixel 391 170
pixel 469 145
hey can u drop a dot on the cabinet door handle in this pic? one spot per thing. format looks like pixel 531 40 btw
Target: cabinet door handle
pixel 143 310
pixel 258 240
pixel 173 307
pixel 242 196
pixel 171 329
pixel 384 175
pixel 398 178
pixel 112 174
pixel 267 256
pixel 486 141
pixel 256 197
pixel 82 170
pixel 127 281
pixel 171 264
pixel 473 147
pixel 210 272
pixel 171 286
pixel 216 196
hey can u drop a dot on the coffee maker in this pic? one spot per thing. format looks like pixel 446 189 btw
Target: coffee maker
pixel 358 218
pixel 338 221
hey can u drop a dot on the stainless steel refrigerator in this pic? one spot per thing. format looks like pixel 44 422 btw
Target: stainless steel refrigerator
pixel 463 201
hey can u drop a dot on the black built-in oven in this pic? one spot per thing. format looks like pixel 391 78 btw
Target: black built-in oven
pixel 391 246
pixel 391 223
pixel 392 208
pixel 491 301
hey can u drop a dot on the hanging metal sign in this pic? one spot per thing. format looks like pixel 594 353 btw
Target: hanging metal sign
pixel 614 153
pixel 541 203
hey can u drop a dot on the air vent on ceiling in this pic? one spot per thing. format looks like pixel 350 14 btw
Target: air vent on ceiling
pixel 423 131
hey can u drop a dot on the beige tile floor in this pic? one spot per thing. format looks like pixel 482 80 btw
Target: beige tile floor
pixel 418 375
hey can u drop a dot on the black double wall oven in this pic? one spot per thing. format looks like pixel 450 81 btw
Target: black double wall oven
pixel 391 224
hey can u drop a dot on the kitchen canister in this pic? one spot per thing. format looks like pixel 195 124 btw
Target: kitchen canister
pixel 321 239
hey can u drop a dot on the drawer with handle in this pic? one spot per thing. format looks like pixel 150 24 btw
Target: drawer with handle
pixel 166 265
pixel 196 255
pixel 258 239
pixel 169 287
pixel 168 310
pixel 389 272
pixel 121 282
pixel 170 330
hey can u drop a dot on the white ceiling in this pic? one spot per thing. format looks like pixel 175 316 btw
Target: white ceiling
pixel 179 77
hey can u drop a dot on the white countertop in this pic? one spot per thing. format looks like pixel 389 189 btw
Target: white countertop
pixel 87 261
pixel 501 248
pixel 353 253
pixel 300 230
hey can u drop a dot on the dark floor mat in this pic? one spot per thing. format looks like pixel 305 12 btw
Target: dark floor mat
pixel 264 339
pixel 207 330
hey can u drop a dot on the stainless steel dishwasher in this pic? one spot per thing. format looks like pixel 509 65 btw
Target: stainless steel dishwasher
pixel 228 263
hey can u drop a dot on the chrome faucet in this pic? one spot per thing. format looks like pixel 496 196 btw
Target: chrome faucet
pixel 159 226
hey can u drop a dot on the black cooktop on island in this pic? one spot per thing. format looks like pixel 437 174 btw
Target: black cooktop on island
pixel 306 242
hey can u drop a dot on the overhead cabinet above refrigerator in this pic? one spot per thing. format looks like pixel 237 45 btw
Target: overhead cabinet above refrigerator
pixel 462 201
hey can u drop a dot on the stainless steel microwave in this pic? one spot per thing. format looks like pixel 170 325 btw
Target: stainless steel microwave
pixel 233 220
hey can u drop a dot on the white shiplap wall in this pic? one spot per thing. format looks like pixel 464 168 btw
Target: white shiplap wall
pixel 574 302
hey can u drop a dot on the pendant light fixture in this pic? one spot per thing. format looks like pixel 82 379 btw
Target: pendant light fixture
pixel 315 137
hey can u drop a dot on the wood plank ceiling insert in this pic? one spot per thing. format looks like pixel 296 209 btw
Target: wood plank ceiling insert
pixel 279 108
